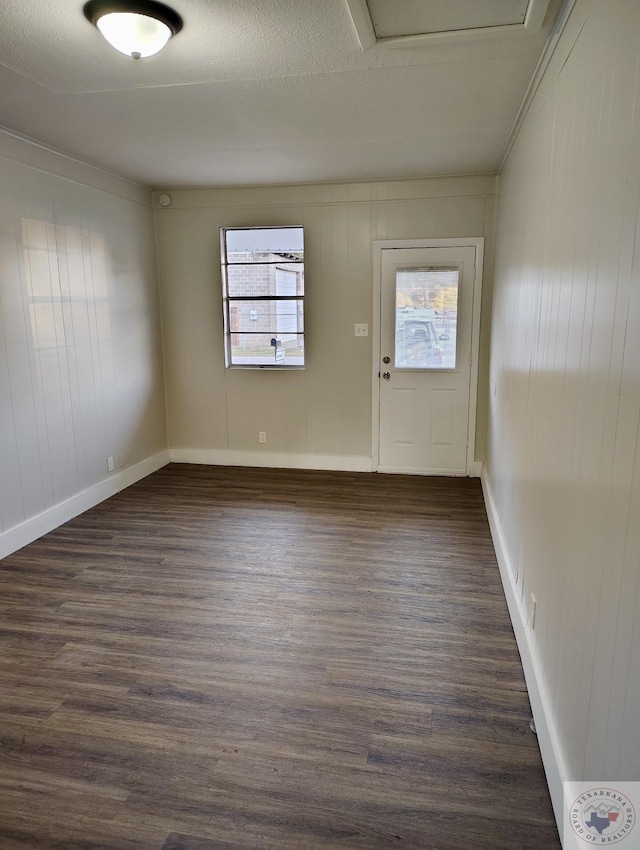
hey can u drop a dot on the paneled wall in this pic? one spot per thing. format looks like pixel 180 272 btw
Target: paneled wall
pixel 81 375
pixel 321 416
pixel 563 466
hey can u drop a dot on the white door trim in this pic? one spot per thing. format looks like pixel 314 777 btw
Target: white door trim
pixel 378 247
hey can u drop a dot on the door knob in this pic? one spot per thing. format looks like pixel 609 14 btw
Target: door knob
pixel 386 375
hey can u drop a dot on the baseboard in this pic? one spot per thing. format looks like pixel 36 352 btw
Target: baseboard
pixel 21 535
pixel 474 472
pixel 276 460
pixel 416 470
pixel 552 758
pixel 280 460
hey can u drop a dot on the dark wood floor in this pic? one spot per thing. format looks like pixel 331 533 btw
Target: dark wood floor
pixel 241 659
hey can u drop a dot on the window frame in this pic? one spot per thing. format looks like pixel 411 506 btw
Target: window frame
pixel 228 300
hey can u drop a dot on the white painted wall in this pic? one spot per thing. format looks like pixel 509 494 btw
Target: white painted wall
pixel 81 374
pixel 320 417
pixel 563 466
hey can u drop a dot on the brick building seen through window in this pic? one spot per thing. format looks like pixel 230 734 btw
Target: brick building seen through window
pixel 264 297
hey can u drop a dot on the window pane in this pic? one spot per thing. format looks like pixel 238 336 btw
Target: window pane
pixel 426 318
pixel 254 324
pixel 264 241
pixel 261 280
pixel 272 317
pixel 263 287
pixel 258 350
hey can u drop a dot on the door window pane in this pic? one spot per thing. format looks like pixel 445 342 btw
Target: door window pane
pixel 426 318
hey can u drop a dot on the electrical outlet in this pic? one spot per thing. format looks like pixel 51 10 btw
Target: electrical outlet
pixel 361 330
pixel 110 464
pixel 532 611
pixel 262 436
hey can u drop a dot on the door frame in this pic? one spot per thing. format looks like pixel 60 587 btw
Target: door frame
pixel 385 244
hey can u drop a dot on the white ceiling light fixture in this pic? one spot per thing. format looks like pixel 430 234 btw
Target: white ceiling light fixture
pixel 137 28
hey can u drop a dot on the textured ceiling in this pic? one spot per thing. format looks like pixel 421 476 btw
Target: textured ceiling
pixel 260 91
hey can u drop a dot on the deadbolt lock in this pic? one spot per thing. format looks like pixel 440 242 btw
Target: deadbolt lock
pixel 386 360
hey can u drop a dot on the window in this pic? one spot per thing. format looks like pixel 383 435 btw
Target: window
pixel 263 293
pixel 426 318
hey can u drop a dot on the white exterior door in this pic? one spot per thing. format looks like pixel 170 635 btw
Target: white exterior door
pixel 425 359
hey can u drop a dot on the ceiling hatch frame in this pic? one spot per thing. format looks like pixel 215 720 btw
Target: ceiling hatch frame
pixel 361 17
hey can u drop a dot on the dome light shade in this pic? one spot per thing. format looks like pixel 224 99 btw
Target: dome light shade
pixel 137 28
pixel 134 35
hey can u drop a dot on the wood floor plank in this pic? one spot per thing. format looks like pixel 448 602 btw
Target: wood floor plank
pixel 255 659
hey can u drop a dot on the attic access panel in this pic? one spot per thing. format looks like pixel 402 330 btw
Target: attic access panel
pixel 413 22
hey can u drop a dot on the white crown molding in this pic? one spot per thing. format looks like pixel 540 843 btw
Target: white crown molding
pixel 41 157
pixel 538 74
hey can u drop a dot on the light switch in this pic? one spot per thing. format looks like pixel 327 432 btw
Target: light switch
pixel 361 330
